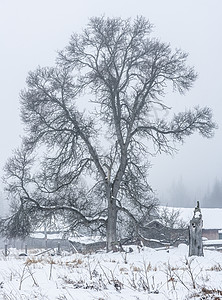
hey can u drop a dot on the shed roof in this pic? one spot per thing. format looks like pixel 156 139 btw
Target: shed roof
pixel 212 217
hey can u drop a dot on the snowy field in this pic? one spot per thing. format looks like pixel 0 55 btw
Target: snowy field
pixel 140 274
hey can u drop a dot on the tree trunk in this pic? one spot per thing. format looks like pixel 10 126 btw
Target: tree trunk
pixel 195 233
pixel 111 237
pixel 112 192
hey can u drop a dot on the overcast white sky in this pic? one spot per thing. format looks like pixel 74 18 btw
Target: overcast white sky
pixel 31 32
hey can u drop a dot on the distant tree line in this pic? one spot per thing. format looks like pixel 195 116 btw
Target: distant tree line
pixel 180 195
pixel 213 197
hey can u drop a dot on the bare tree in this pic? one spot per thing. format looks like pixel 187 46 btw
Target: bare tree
pixel 91 165
pixel 171 218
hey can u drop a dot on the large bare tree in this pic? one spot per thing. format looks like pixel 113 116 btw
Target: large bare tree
pixel 90 165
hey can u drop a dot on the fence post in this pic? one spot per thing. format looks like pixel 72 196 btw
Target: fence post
pixel 59 249
pixel 6 250
pixel 26 249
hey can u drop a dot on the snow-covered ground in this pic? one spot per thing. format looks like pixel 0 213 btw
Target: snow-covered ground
pixel 138 275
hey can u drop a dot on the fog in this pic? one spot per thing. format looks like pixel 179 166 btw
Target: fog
pixel 32 31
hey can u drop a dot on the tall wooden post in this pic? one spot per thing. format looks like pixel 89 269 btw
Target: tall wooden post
pixel 45 234
pixel 195 233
